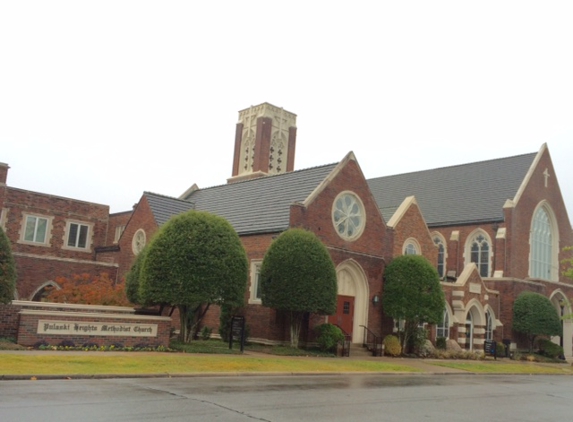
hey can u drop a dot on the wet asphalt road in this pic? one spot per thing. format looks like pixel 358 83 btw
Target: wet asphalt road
pixel 402 398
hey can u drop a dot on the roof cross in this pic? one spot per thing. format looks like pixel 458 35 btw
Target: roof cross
pixel 546 175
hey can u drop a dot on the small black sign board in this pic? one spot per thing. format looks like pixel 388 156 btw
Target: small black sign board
pixel 237 331
pixel 490 348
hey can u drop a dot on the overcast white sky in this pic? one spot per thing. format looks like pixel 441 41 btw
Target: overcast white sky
pixel 103 100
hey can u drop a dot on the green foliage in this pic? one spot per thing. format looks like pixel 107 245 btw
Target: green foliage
pixel 206 333
pixel 328 336
pixel 568 262
pixel 133 279
pixel 441 343
pixel 534 315
pixel 549 349
pixel 500 349
pixel 417 340
pixel 298 276
pixel 195 259
pixel 7 270
pixel 227 312
pixel 412 292
pixel 392 345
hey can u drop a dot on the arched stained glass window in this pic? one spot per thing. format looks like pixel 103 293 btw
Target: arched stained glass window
pixel 480 254
pixel 488 325
pixel 443 328
pixel 441 256
pixel 541 245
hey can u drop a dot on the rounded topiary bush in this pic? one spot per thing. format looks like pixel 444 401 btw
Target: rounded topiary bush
pixel 500 349
pixel 392 346
pixel 549 349
pixel 328 336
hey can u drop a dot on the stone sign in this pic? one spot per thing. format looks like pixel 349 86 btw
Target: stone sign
pixel 96 328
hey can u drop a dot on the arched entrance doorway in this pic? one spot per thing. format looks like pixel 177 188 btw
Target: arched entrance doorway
pixel 469 331
pixel 352 307
pixel 474 326
pixel 563 307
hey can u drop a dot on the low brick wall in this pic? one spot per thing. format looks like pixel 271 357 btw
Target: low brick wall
pixel 33 322
pixel 9 321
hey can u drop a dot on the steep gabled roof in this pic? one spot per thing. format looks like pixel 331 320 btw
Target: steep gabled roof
pixel 467 193
pixel 252 206
pixel 165 207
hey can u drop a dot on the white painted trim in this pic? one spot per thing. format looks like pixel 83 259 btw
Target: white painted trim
pixel 29 303
pixel 554 238
pixel 55 258
pixel 362 295
pixel 322 185
pixel 528 175
pixel 253 300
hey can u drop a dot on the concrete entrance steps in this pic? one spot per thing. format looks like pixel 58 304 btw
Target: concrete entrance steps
pixel 357 351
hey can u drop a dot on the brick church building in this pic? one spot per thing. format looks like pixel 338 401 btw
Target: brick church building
pixel 492 229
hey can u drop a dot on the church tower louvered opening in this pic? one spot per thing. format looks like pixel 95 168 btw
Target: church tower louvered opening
pixel 265 140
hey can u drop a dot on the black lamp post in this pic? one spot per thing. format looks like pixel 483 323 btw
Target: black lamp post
pixel 562 306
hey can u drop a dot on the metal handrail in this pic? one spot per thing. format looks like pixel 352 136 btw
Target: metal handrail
pixel 376 347
pixel 346 342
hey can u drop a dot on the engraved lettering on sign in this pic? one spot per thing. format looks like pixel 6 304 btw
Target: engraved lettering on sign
pixel 97 329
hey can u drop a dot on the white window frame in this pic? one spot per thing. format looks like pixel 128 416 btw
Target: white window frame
pixel 118 232
pixel 3 218
pixel 468 251
pixel 136 247
pixel 34 242
pixel 255 282
pixel 440 240
pixel 415 246
pixel 342 217
pixel 489 324
pixel 543 245
pixel 89 228
pixel 444 326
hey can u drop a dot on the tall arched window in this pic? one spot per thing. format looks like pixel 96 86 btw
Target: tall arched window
pixel 488 325
pixel 541 255
pixel 480 253
pixel 443 328
pixel 439 242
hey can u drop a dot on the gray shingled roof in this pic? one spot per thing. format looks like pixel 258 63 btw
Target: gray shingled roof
pixel 466 193
pixel 253 206
pixel 165 207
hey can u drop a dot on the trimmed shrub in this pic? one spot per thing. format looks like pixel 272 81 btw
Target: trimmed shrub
pixel 206 333
pixel 328 336
pixel 500 349
pixel 549 349
pixel 441 343
pixel 392 346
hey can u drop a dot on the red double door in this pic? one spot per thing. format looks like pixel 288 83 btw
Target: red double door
pixel 344 316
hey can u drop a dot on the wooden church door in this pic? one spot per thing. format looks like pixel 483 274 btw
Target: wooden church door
pixel 345 313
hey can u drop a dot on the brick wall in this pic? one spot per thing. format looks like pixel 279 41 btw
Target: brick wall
pixel 20 320
pixel 142 218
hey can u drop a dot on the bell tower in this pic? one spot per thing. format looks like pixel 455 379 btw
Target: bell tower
pixel 265 140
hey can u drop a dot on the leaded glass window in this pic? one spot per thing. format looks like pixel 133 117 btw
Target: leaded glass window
pixel 480 254
pixel 541 245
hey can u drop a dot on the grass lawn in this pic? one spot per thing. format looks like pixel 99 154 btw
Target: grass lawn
pixel 72 363
pixel 489 367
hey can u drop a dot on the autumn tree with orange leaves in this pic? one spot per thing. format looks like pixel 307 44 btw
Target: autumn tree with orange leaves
pixel 87 289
